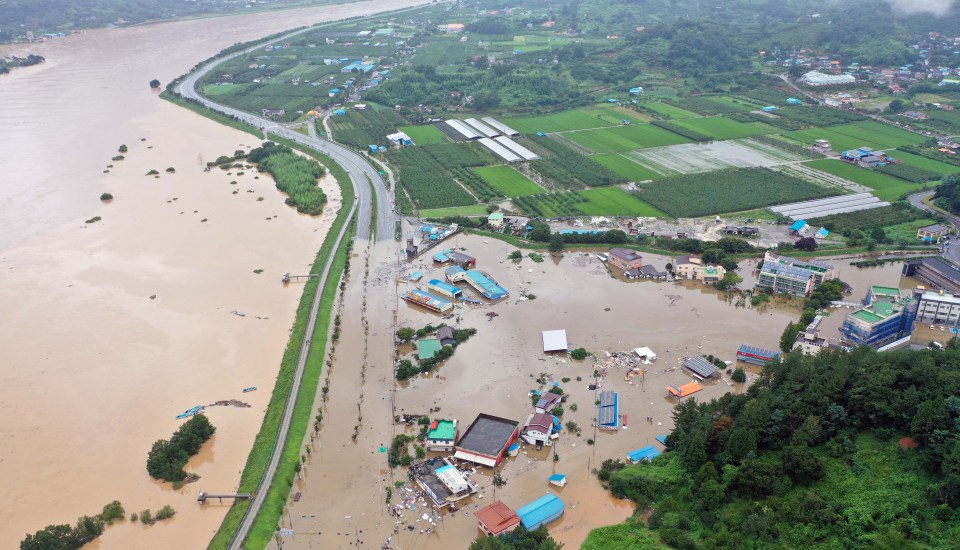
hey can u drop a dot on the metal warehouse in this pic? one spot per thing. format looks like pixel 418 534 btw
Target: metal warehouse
pixel 486 440
pixel 440 288
pixel 757 356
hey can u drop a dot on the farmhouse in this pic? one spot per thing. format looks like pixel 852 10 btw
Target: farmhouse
pixel 547 402
pixel 645 272
pixel 541 511
pixel 538 428
pixel 693 268
pixel 441 435
pixel 497 518
pixel 625 259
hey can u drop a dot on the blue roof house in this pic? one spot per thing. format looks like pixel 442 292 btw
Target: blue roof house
pixel 541 511
pixel 798 225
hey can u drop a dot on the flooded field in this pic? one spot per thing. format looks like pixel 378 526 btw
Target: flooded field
pixel 493 373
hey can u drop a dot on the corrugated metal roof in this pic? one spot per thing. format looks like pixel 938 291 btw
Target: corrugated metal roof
pixel 759 351
pixel 700 366
pixel 609 414
pixel 543 510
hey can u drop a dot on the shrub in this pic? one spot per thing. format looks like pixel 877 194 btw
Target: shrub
pixel 166 512
pixel 106 197
pixel 117 158
pixel 112 511
pixel 171 169
pixel 134 517
pixel 579 354
pixel 122 149
pixel 739 375
pixel 146 517
pixel 153 173
pixel 515 255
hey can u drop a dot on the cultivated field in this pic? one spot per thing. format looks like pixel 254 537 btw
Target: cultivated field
pixel 724 128
pixel 508 180
pixel 805 172
pixel 851 136
pixel 578 119
pixel 624 138
pixel 614 201
pixel 625 167
pixel 669 110
pixel 472 210
pixel 884 187
pixel 425 134
pixel 917 161
pixel 693 158
pixel 731 190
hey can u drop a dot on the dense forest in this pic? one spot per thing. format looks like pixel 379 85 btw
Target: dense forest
pixel 856 450
pixel 948 194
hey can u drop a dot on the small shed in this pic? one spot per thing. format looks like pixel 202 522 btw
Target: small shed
pixel 701 368
pixel 798 225
pixel 558 479
pixel 555 340
pixel 445 335
pixel 645 353
pixel 541 511
pixel 680 392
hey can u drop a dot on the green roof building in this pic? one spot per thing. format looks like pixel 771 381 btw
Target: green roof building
pixel 442 435
pixel 427 348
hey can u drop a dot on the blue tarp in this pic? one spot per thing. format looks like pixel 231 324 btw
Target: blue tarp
pixel 646 453
pixel 798 225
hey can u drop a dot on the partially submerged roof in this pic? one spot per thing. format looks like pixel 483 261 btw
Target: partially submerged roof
pixel 540 511
pixel 497 518
pixel 427 348
pixel 646 352
pixel 487 436
pixel 609 415
pixel 555 340
pixel 442 429
pixel 684 390
pixel 700 367
pixel 646 453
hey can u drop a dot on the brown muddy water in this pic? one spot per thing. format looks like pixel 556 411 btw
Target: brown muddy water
pixel 343 490
pixel 110 329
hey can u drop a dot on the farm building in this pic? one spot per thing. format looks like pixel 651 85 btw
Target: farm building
pixel 646 453
pixel 466 131
pixel 799 227
pixel 685 390
pixel 442 481
pixel 547 402
pixel 445 335
pixel 933 232
pixel 427 300
pixel 496 518
pixel 516 148
pixel 487 439
pixel 440 288
pixel 458 259
pixel 479 281
pixel 625 259
pixel 700 368
pixel 499 149
pixel 495 220
pixel 935 271
pixel 481 127
pixel 538 428
pixel 441 435
pixel 794 101
pixel 757 356
pixel 554 340
pixel 400 139
pixel 636 91
pixel 692 267
pixel 608 417
pixel 503 128
pixel 887 315
pixel 541 511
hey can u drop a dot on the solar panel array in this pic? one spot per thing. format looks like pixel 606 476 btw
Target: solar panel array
pixel 825 207
pixel 608 408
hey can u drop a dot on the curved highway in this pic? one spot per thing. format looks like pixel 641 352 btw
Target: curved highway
pixel 362 174
pixel 367 185
pixel 951 251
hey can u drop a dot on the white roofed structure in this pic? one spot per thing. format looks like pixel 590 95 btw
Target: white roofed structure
pixel 504 129
pixel 463 129
pixel 482 128
pixel 645 353
pixel 499 150
pixel 555 340
pixel 525 153
pixel 825 207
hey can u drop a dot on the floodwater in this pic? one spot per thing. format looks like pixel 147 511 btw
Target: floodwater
pixel 110 329
pixel 493 373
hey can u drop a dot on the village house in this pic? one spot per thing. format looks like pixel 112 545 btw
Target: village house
pixel 538 429
pixel 933 232
pixel 625 259
pixel 693 268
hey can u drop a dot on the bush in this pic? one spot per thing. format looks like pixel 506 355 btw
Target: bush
pixel 112 511
pixel 579 354
pixel 146 517
pixel 171 170
pixel 153 173
pixel 167 458
pixel 515 255
pixel 166 512
pixel 739 375
pixel 106 197
pixel 122 149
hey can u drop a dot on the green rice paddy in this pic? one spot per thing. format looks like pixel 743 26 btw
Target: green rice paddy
pixel 625 138
pixel 425 134
pixel 625 167
pixel 508 180
pixel 884 187
pixel 577 119
pixel 724 128
pixel 917 161
pixel 613 201
pixel 670 110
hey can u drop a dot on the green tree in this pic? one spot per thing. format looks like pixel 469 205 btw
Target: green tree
pixel 155 84
pixel 518 539
pixel 741 443
pixel 897 106
pixel 739 376
pixel 802 465
pixel 579 354
pixel 694 452
pixel 405 334
pixel 556 243
pixel 789 337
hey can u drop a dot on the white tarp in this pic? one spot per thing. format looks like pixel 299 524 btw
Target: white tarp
pixel 645 353
pixel 555 340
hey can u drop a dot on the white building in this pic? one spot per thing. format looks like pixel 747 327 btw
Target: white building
pixel 939 308
pixel 816 78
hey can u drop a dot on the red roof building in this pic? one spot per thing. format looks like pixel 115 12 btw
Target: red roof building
pixel 497 518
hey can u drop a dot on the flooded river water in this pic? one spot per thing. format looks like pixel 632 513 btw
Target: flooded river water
pixel 110 329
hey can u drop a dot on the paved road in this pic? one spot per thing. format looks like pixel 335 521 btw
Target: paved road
pixel 951 251
pixel 360 170
pixel 368 186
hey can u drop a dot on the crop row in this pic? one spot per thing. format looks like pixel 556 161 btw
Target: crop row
pixel 909 173
pixel 730 190
pixel 429 187
pixel 454 155
pixel 550 205
pixel 884 216
pixel 704 105
pixel 483 190
pixel 791 148
pixel 362 128
pixel 931 153
pixel 782 123
pixel 818 116
pixel 570 169
pixel 681 131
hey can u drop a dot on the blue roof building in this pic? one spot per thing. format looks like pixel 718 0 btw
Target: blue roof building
pixel 486 286
pixel 646 453
pixel 636 91
pixel 441 288
pixel 769 109
pixel 798 225
pixel 541 511
pixel 609 414
pixel 794 101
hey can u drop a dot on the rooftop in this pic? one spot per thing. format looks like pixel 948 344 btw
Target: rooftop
pixel 555 340
pixel 427 348
pixel 625 254
pixel 488 435
pixel 543 509
pixel 442 429
pixel 498 517
pixel 867 316
pixel 700 367
pixel 885 291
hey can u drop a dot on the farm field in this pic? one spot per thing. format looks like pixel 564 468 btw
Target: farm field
pixel 472 210
pixel 425 134
pixel 884 187
pixel 669 110
pixel 887 135
pixel 724 128
pixel 839 142
pixel 692 158
pixel 625 167
pixel 508 180
pixel 917 161
pixel 578 119
pixel 731 190
pixel 625 138
pixel 614 201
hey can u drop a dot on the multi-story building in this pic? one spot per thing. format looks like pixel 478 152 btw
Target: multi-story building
pixel 625 259
pixel 935 271
pixel 692 267
pixel 887 316
pixel 785 275
pixel 937 308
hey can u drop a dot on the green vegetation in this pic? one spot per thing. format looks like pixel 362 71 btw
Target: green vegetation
pixel 577 119
pixel 510 182
pixel 360 129
pixel 550 205
pixel 294 175
pixel 926 163
pixel 808 456
pixel 106 197
pixel 94 219
pixel 626 536
pixel 866 220
pixel 739 376
pixel 518 539
pixel 66 537
pixel 912 174
pixel 669 111
pixel 424 134
pixel 948 194
pixel 723 128
pixel 579 354
pixel 729 190
pixel 471 210
pixel 687 133
pixel 570 169
pixel 167 458
pixel 625 138
pixel 614 202
pixel 885 187
pixel 406 369
pixel 625 167
pixel 428 186
pixel 8 64
pixel 813 115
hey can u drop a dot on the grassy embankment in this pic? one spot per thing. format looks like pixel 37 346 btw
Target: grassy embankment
pixel 259 456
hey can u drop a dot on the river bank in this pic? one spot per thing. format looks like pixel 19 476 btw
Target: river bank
pixel 112 328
